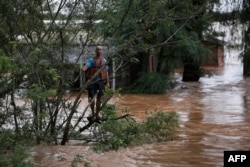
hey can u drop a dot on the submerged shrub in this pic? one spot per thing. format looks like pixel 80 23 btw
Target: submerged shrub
pixel 115 133
pixel 21 157
pixel 13 150
pixel 161 126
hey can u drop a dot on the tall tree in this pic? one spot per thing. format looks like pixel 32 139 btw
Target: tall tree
pixel 37 34
pixel 159 27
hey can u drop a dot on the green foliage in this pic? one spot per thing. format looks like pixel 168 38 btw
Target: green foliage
pixel 193 49
pixel 5 63
pixel 5 75
pixel 153 83
pixel 40 49
pixel 21 157
pixel 13 150
pixel 116 133
pixel 7 140
pixel 113 134
pixel 38 93
pixel 137 26
pixel 161 126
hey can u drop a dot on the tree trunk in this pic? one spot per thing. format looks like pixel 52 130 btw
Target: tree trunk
pixel 192 70
pixel 246 56
pixel 246 64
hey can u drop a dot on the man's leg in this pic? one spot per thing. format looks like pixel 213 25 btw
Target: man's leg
pixel 92 105
pixel 99 97
pixel 98 103
pixel 91 96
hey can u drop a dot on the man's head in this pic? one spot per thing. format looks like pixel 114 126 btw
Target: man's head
pixel 98 51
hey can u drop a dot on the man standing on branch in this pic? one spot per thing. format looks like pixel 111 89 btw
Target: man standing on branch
pixel 97 86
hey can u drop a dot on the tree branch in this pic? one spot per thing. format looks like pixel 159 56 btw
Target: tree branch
pixel 96 120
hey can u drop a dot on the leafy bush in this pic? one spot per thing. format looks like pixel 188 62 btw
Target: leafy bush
pixel 115 133
pixel 13 151
pixel 161 126
pixel 20 157
pixel 153 83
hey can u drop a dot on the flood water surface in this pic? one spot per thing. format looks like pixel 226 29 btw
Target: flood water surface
pixel 214 117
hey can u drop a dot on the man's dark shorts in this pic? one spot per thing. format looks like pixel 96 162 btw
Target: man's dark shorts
pixel 93 88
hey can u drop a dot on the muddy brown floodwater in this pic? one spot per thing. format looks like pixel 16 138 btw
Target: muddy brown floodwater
pixel 214 117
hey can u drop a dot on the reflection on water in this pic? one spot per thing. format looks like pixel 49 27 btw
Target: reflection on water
pixel 213 118
pixel 223 94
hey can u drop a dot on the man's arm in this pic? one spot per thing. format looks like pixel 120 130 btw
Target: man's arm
pixel 87 65
pixel 84 68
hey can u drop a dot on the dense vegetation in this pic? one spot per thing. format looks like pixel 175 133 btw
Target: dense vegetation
pixel 36 36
